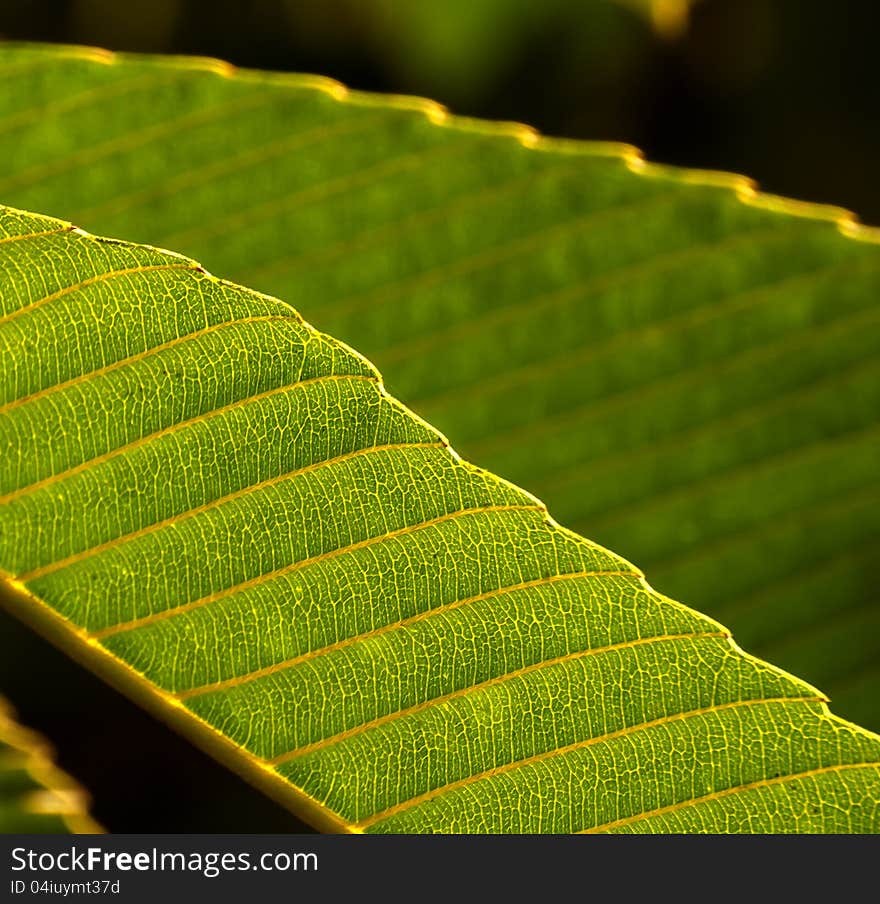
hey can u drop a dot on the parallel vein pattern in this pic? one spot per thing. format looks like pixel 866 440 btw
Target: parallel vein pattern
pixel 222 510
pixel 684 370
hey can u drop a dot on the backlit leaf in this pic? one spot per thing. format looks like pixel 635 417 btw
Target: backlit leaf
pixel 682 369
pixel 222 511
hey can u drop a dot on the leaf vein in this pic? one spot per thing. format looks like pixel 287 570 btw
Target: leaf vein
pixel 577 745
pixel 400 623
pixel 489 257
pixel 489 682
pixel 726 792
pixel 303 563
pixel 215 503
pixel 142 355
pixel 96 280
pixel 35 235
pixel 180 425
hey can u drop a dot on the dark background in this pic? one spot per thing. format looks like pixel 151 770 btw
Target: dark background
pixel 786 91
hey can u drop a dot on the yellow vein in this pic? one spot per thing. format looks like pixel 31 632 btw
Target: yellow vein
pixel 225 165
pixel 595 283
pixel 728 418
pixel 131 140
pixel 701 316
pixel 35 235
pixel 94 280
pixel 400 623
pixel 42 616
pixel 144 355
pixel 711 310
pixel 219 501
pixel 482 685
pixel 681 492
pixel 726 792
pixel 698 317
pixel 368 176
pixel 304 563
pixel 180 425
pixel 530 243
pixel 544 755
pixel 367 237
pixel 100 93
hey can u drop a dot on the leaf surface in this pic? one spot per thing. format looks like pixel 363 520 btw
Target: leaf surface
pixel 686 371
pixel 36 797
pixel 221 510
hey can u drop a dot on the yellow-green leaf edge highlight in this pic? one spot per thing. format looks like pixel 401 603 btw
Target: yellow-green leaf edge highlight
pixel 55 795
pixel 86 648
pixel 763 286
pixel 169 707
pixel 743 187
pixel 77 644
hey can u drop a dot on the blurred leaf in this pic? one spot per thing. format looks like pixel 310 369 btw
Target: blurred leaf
pixel 669 17
pixel 35 795
pixel 683 376
pixel 459 44
pixel 221 510
pixel 463 49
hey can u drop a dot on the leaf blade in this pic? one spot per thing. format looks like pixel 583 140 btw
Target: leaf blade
pixel 608 290
pixel 105 555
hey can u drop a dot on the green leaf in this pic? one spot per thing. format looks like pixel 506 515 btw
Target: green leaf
pixel 35 795
pixel 221 510
pixel 683 369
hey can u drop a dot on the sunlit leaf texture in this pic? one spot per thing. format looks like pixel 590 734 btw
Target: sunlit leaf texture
pixel 35 795
pixel 222 510
pixel 686 372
